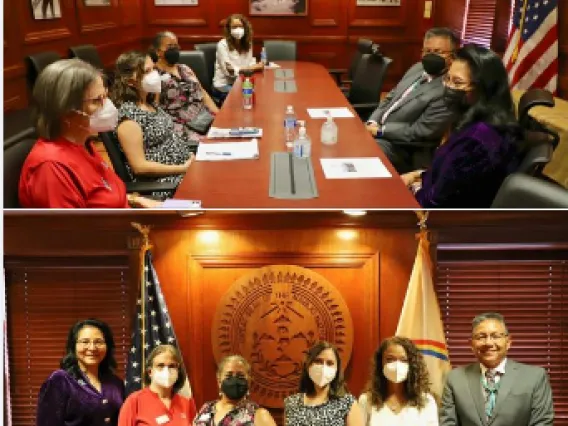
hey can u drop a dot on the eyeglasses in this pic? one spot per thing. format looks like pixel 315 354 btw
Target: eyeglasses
pixel 98 101
pixel 437 51
pixel 455 84
pixel 96 343
pixel 485 338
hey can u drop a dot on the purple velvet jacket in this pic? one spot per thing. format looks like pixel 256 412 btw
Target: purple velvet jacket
pixel 66 401
pixel 468 170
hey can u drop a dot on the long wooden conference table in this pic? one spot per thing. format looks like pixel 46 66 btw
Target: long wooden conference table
pixel 244 184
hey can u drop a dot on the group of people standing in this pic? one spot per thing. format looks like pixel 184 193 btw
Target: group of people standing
pixel 494 390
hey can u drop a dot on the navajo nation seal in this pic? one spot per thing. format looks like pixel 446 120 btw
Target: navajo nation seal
pixel 271 316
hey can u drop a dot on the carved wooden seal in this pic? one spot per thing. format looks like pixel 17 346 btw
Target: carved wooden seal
pixel 271 316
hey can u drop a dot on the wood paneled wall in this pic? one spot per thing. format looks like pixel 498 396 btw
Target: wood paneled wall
pixel 112 29
pixel 371 271
pixel 328 34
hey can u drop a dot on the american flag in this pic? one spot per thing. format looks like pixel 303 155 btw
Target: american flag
pixel 531 57
pixel 153 327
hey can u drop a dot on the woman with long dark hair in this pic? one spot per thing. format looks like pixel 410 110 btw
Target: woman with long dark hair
pixel 84 391
pixel 398 392
pixel 482 150
pixel 323 399
pixel 234 54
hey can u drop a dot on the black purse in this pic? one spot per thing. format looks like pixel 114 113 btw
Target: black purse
pixel 202 122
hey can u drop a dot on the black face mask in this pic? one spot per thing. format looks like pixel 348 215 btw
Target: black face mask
pixel 433 64
pixel 172 55
pixel 234 387
pixel 455 99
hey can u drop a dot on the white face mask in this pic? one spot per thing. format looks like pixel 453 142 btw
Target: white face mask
pixel 322 375
pixel 238 33
pixel 166 377
pixel 105 119
pixel 152 83
pixel 396 371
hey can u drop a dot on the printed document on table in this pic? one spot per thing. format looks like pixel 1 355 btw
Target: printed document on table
pixel 335 112
pixel 172 203
pixel 271 66
pixel 354 168
pixel 235 132
pixel 223 151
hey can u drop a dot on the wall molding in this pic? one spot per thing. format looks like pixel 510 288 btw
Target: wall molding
pixel 178 23
pixel 99 26
pixel 14 71
pixel 48 35
pixel 376 23
pixel 12 103
pixel 324 22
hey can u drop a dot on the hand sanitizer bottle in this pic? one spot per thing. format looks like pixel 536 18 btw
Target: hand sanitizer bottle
pixel 329 131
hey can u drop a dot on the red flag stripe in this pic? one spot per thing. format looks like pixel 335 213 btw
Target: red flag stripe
pixel 528 62
pixel 547 74
pixel 510 64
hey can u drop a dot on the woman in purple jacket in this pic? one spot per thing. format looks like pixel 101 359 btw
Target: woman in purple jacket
pixel 481 151
pixel 85 391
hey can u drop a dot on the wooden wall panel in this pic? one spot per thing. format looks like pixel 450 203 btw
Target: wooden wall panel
pixel 112 29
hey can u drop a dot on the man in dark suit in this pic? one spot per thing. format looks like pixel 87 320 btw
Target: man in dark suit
pixel 413 118
pixel 496 391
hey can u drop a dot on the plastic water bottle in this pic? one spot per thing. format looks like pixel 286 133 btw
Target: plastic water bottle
pixel 263 58
pixel 290 126
pixel 247 94
pixel 303 143
pixel 329 131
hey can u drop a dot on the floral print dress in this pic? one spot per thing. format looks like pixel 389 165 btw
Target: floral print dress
pixel 182 98
pixel 241 415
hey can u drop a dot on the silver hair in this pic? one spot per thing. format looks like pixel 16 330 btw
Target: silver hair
pixel 230 358
pixel 489 316
pixel 59 89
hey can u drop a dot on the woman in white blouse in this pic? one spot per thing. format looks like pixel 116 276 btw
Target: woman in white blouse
pixel 234 54
pixel 398 393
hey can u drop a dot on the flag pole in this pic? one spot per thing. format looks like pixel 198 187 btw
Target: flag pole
pixel 521 27
pixel 144 231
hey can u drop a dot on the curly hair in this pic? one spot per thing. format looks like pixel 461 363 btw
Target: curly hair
pixel 417 384
pixel 245 44
pixel 129 67
pixel 337 387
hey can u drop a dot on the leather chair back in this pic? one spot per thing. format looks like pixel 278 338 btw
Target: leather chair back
pixel 210 52
pixel 36 63
pixel 280 50
pixel 195 59
pixel 520 191
pixel 87 53
pixel 16 150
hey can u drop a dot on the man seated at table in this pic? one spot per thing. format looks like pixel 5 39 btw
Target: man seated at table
pixel 412 118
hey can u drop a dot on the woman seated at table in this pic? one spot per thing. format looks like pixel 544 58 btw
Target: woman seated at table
pixel 234 54
pixel 482 148
pixel 154 150
pixel 160 402
pixel 182 95
pixel 233 408
pixel 64 169
pixel 85 391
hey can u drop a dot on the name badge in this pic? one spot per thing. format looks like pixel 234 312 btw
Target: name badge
pixel 162 419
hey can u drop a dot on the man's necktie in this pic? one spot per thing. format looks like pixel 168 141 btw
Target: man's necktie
pixel 490 388
pixel 422 79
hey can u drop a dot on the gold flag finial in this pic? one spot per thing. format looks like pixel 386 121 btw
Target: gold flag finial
pixel 422 223
pixel 145 232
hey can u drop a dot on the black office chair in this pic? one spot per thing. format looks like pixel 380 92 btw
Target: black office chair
pixel 536 152
pixel 37 63
pixel 87 53
pixel 364 46
pixel 16 150
pixel 367 84
pixel 210 52
pixel 520 191
pixel 195 59
pixel 118 160
pixel 530 99
pixel 280 50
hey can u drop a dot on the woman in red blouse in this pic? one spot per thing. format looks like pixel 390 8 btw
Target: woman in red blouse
pixel 160 402
pixel 63 168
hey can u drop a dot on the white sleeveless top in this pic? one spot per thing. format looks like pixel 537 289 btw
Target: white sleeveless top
pixel 384 416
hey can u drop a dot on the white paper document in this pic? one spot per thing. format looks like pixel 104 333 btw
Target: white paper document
pixel 335 112
pixel 172 203
pixel 271 66
pixel 223 151
pixel 234 132
pixel 354 168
